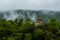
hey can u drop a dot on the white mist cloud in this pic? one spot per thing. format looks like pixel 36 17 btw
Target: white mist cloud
pixel 30 4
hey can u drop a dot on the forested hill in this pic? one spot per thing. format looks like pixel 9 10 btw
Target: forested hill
pixel 46 15
pixel 28 30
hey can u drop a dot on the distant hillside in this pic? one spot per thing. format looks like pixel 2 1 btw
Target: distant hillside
pixel 45 14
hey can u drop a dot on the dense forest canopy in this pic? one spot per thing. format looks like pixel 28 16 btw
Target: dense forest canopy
pixel 19 30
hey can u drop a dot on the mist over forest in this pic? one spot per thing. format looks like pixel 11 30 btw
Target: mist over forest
pixel 32 14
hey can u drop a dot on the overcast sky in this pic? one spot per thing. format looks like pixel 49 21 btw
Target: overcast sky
pixel 29 4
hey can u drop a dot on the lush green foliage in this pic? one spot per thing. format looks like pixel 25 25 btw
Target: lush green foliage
pixel 11 30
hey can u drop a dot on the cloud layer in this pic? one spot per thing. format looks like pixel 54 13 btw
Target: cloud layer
pixel 29 4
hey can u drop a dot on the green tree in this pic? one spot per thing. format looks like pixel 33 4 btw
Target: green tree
pixel 53 26
pixel 18 36
pixel 10 38
pixel 19 22
pixel 28 36
pixel 38 34
pixel 27 23
pixel 58 38
pixel 48 36
pixel 53 23
pixel 2 23
pixel 28 20
pixel 10 24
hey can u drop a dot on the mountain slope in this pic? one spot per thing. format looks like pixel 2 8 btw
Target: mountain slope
pixel 45 14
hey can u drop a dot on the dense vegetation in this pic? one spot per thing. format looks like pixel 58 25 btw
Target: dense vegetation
pixel 12 30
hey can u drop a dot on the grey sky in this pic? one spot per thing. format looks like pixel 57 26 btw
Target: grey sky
pixel 29 4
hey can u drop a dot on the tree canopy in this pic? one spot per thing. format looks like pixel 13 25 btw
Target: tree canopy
pixel 12 30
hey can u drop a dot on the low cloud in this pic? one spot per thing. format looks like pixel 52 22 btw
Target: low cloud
pixel 29 4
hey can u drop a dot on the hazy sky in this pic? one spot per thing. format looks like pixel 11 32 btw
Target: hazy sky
pixel 30 4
